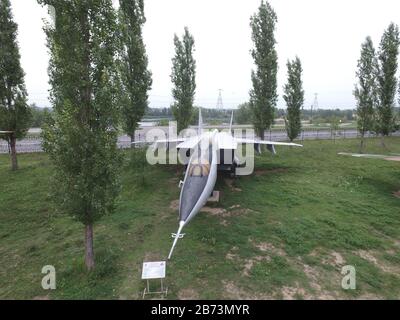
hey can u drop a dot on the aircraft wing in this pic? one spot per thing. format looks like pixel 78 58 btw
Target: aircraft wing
pixel 272 143
pixel 226 141
pixel 160 141
pixel 189 143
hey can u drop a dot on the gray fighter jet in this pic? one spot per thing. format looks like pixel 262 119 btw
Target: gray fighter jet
pixel 210 151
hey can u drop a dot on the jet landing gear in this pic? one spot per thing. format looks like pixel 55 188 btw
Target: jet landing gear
pixel 232 172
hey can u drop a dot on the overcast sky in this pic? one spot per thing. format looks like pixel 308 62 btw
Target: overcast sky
pixel 326 35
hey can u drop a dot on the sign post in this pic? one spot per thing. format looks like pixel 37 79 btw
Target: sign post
pixel 152 271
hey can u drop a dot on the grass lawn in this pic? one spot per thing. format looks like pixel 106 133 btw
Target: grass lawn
pixel 284 232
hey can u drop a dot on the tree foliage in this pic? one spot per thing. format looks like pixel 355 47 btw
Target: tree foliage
pixel 294 98
pixel 184 79
pixel 39 115
pixel 81 136
pixel 135 76
pixel 263 95
pixel 243 115
pixel 15 113
pixel 387 82
pixel 366 89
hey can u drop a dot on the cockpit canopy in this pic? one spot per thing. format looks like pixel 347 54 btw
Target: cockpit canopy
pixel 199 168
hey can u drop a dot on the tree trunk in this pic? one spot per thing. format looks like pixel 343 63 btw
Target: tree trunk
pixel 383 141
pixel 262 134
pixel 132 136
pixel 89 254
pixel 362 144
pixel 14 161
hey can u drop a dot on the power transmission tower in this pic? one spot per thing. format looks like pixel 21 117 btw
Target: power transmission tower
pixel 220 105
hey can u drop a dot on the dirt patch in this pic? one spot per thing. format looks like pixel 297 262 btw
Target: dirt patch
pixel 396 243
pixel 313 275
pixel 236 210
pixel 393 158
pixel 225 223
pixel 188 294
pixel 41 298
pixel 270 248
pixel 174 205
pixel 369 296
pixel 249 263
pixel 232 291
pixel 231 256
pixel 314 253
pixel 316 276
pixel 397 194
pixel 370 257
pixel 230 184
pixel 234 207
pixel 367 256
pixel 233 211
pixel 262 172
pixel 291 293
pixel 334 259
pixel 214 211
pixel 338 259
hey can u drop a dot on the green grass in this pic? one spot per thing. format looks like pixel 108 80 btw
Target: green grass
pixel 305 205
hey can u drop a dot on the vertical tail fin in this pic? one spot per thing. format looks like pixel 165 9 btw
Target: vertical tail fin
pixel 200 129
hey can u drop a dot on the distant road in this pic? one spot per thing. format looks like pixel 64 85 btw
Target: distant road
pixel 34 143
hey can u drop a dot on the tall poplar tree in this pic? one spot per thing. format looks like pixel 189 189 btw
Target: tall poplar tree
pixel 387 81
pixel 294 97
pixel 81 137
pixel 135 76
pixel 366 89
pixel 15 114
pixel 263 95
pixel 183 77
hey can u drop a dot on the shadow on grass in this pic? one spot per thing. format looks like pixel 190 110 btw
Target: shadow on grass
pixel 75 282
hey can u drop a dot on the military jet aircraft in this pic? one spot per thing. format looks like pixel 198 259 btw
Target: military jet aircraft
pixel 210 151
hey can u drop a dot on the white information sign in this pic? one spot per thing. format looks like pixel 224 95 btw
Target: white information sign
pixel 153 270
